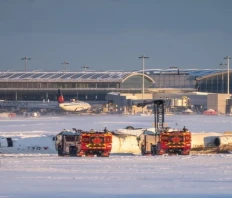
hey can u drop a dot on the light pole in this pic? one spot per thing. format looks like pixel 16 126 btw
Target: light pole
pixel 25 59
pixel 228 74
pixel 85 67
pixel 65 65
pixel 143 64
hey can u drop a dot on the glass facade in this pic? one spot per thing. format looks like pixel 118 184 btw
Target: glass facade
pixel 39 85
pixel 214 83
pixel 173 81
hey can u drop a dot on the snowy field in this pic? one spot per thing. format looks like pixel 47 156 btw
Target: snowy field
pixel 37 175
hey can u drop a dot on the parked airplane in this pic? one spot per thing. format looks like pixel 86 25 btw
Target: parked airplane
pixel 71 106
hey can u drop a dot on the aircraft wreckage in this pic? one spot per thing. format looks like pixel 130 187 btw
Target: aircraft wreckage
pixel 133 140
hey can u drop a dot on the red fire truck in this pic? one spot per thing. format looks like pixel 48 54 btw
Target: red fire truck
pixel 84 143
pixel 165 140
pixel 173 141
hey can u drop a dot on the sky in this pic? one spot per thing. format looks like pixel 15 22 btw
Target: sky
pixel 111 34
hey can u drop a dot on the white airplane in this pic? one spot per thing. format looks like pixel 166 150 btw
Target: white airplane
pixel 73 106
pixel 25 144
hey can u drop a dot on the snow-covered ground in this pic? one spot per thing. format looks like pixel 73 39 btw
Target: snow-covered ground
pixel 119 176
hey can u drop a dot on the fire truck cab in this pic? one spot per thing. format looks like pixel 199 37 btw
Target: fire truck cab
pixel 84 143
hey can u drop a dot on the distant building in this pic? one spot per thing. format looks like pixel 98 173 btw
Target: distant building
pixel 89 85
pixel 93 86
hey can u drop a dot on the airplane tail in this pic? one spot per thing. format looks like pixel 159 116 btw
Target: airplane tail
pixel 60 98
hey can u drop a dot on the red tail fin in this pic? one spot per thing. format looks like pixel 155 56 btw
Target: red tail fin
pixel 60 97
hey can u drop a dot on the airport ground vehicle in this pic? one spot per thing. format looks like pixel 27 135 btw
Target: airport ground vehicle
pixel 84 143
pixel 165 140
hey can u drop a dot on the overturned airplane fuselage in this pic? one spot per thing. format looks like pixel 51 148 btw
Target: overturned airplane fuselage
pixel 124 142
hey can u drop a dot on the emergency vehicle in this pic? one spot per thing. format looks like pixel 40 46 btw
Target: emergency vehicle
pixel 84 143
pixel 164 140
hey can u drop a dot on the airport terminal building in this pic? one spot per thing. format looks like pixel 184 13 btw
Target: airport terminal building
pixel 94 86
pixel 86 86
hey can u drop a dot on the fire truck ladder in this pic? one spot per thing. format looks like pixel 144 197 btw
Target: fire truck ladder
pixel 159 113
pixel 158 106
